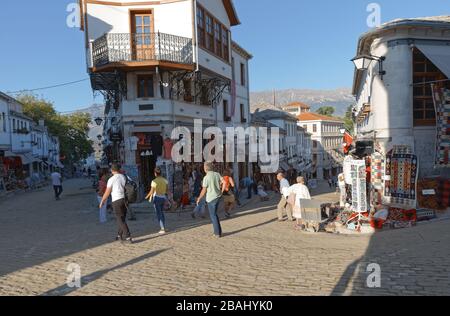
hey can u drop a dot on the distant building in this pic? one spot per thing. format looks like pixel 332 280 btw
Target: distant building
pixel 292 154
pixel 296 108
pixel 327 153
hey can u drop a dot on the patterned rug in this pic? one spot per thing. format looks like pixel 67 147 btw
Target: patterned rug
pixel 359 193
pixel 401 178
pixel 377 170
pixel 442 104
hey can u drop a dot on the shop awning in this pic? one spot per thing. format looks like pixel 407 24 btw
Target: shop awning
pixel 439 56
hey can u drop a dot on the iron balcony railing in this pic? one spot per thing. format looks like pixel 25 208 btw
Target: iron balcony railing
pixel 126 47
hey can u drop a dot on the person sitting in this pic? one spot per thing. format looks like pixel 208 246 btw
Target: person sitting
pixel 261 193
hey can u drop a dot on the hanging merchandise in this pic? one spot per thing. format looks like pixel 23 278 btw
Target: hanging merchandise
pixel 377 175
pixel 168 146
pixel 401 178
pixel 441 99
pixel 359 193
pixel 157 145
pixel 347 169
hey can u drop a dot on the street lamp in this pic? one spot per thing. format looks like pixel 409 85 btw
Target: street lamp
pixel 342 131
pixel 99 137
pixel 98 121
pixel 362 62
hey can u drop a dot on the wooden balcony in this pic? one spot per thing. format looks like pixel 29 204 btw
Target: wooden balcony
pixel 140 51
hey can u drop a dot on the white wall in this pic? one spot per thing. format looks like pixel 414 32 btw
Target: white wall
pixel 5 142
pixel 392 99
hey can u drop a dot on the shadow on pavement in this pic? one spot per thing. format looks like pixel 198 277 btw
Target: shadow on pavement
pixel 65 290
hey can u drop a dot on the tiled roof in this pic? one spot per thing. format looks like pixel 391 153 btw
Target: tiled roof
pixel 317 117
pixel 274 114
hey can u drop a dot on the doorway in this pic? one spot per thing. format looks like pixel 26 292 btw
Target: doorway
pixel 142 35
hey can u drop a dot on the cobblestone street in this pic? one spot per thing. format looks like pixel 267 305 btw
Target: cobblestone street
pixel 257 256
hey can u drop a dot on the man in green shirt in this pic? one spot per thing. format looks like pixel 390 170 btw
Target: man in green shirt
pixel 212 188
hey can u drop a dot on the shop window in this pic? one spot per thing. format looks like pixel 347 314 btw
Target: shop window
pixel 425 72
pixel 226 117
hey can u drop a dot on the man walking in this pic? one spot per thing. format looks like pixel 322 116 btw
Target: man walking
pixel 116 189
pixel 212 188
pixel 284 206
pixel 57 184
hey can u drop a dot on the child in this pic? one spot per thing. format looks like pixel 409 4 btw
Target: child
pixel 262 194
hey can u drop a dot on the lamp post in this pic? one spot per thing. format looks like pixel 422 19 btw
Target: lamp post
pixel 363 62
pixel 98 121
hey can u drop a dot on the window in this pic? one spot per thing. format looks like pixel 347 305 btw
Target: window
pixel 314 143
pixel 225 40
pixel 4 121
pixel 226 118
pixel 218 38
pixel 145 86
pixel 209 33
pixel 314 128
pixel 243 118
pixel 424 71
pixel 243 74
pixel 212 35
pixel 201 27
pixel 14 125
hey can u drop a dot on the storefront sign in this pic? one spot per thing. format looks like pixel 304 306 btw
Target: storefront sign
pixel 429 192
pixel 116 137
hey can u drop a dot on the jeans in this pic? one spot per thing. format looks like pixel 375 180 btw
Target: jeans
pixel 212 207
pixel 120 209
pixel 249 191
pixel 158 202
pixel 102 213
pixel 200 208
pixel 58 190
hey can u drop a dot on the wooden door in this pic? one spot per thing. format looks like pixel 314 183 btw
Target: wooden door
pixel 142 35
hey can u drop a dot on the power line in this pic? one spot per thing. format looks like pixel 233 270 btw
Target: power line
pixel 49 87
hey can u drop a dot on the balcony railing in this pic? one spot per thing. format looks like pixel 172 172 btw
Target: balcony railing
pixel 125 47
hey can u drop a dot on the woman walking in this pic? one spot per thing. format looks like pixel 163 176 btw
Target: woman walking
pixel 228 187
pixel 158 195
pixel 101 189
pixel 301 192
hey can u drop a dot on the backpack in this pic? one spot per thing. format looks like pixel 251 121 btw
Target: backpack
pixel 130 191
pixel 227 182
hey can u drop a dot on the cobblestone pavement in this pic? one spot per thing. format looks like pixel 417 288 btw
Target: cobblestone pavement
pixel 257 256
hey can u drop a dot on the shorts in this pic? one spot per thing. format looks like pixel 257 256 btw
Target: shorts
pixel 228 199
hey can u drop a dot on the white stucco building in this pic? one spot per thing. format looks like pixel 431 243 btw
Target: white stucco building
pixel 161 65
pixel 394 97
pixel 326 150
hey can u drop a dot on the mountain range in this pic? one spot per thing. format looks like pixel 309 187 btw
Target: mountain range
pixel 340 99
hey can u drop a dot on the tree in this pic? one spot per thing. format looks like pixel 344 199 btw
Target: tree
pixel 72 130
pixel 348 120
pixel 326 110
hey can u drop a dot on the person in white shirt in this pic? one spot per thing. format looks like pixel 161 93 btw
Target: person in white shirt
pixel 284 206
pixel 116 189
pixel 57 184
pixel 301 192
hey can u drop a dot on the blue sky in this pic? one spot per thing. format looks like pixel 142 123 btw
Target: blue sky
pixel 296 43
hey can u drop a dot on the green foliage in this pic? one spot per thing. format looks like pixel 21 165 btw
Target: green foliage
pixel 72 130
pixel 348 120
pixel 326 110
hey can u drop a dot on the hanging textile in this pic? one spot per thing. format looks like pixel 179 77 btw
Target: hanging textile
pixel 359 186
pixel 441 98
pixel 401 178
pixel 347 169
pixel 377 169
